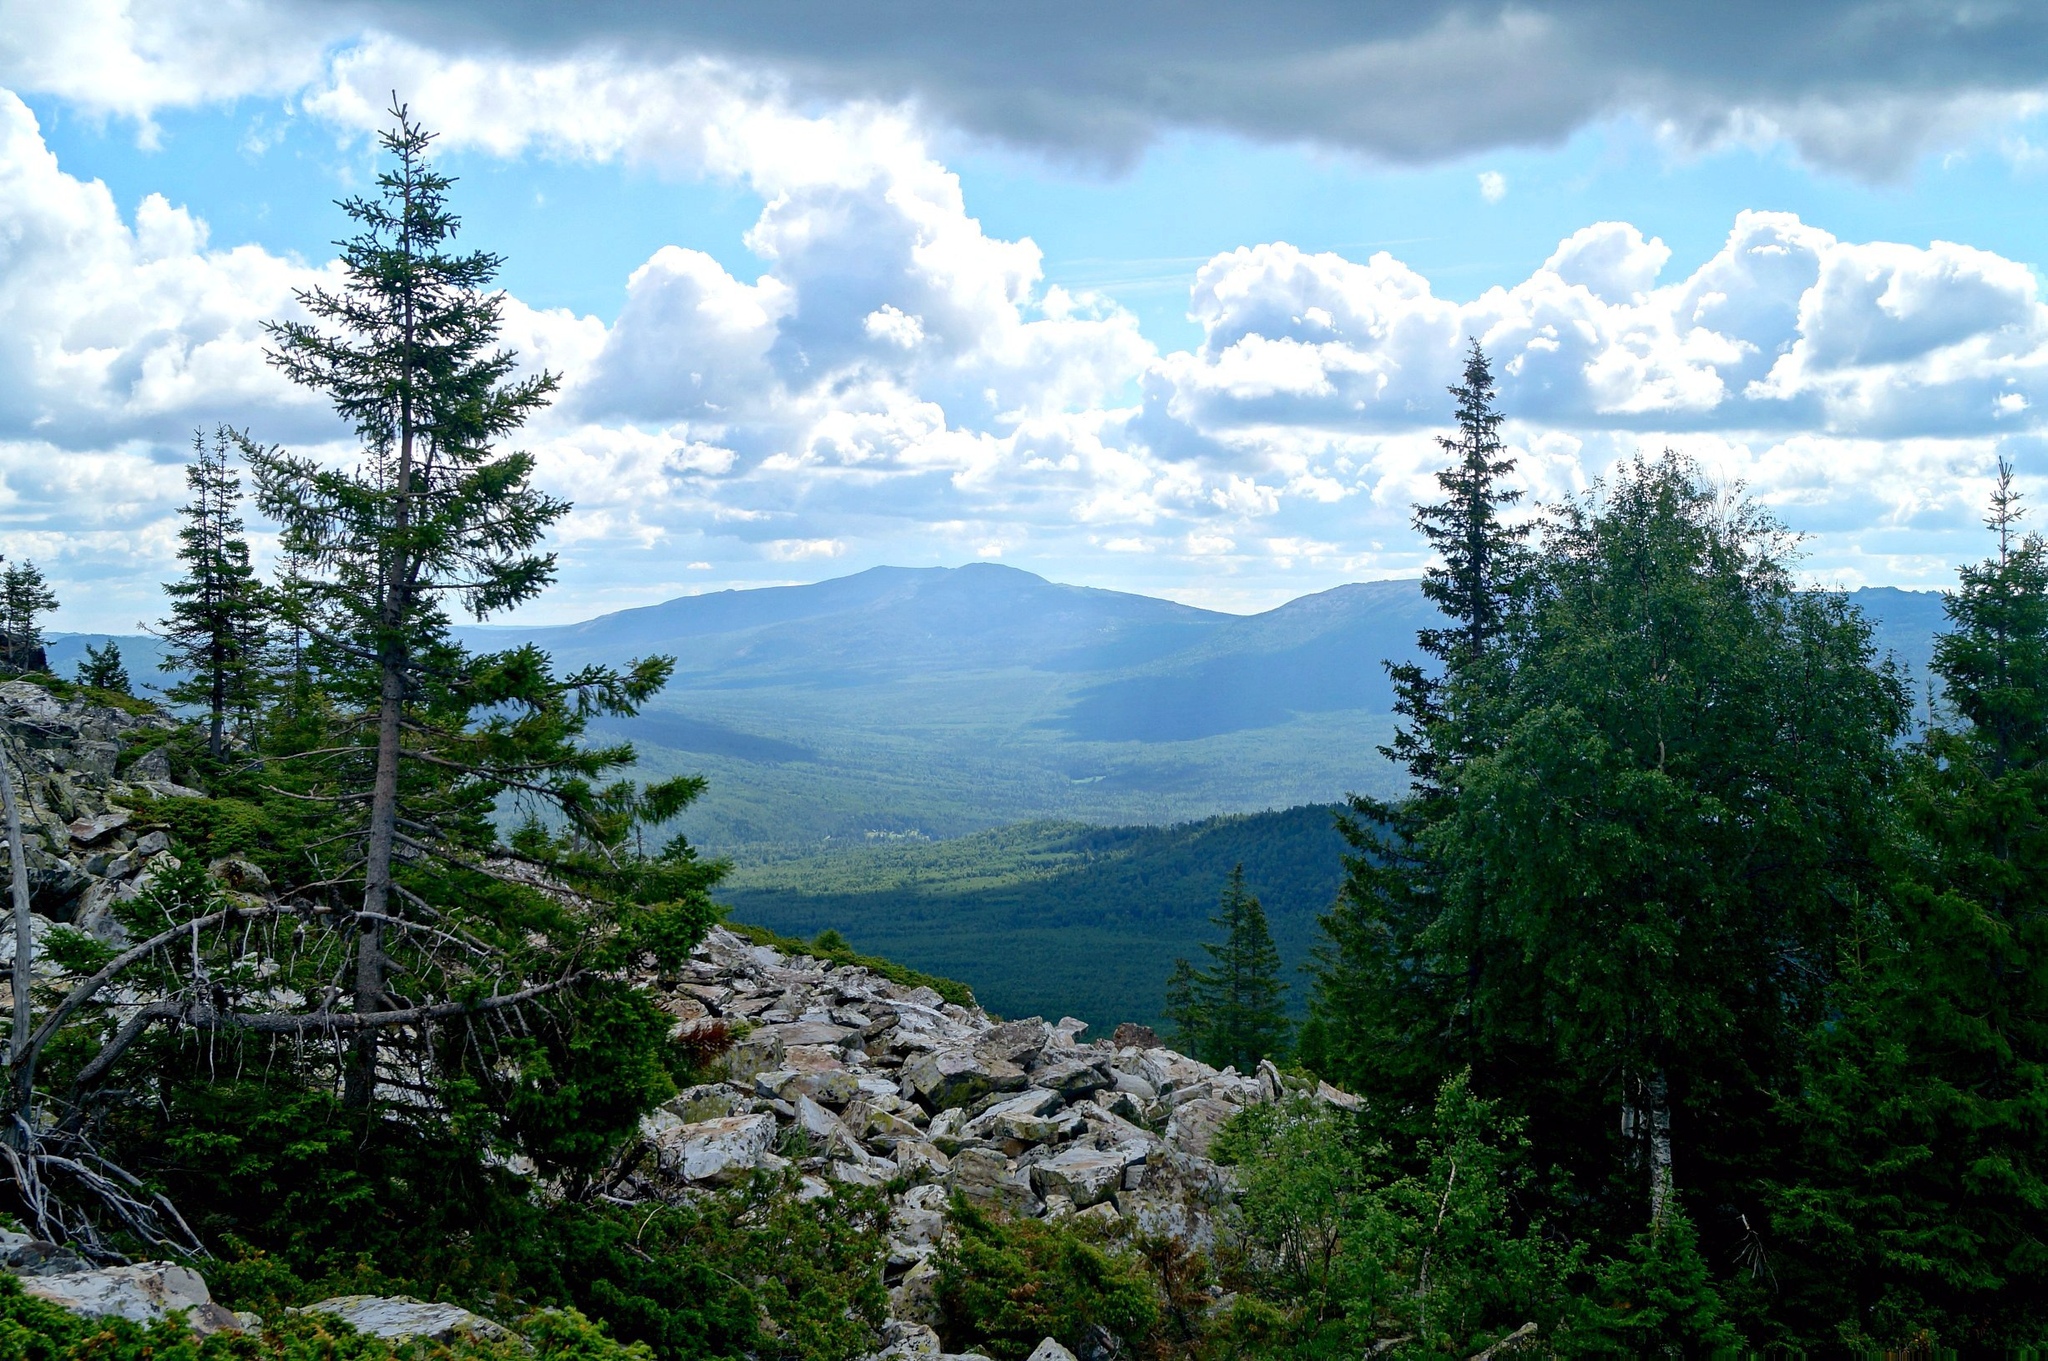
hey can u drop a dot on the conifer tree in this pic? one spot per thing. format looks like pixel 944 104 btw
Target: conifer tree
pixel 218 626
pixel 1371 987
pixel 430 737
pixel 24 598
pixel 1231 1012
pixel 102 668
pixel 1918 1186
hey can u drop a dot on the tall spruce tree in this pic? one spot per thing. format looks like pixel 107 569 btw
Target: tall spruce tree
pixel 1232 1012
pixel 1915 1199
pixel 407 351
pixel 1371 994
pixel 25 597
pixel 218 628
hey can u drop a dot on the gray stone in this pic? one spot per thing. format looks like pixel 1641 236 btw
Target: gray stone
pixel 154 764
pixel 721 1150
pixel 946 1078
pixel 142 1293
pixel 1194 1124
pixel 397 1317
pixel 1131 1035
pixel 812 1032
pixel 985 1176
pixel 155 843
pixel 1013 1041
pixel 709 1101
pixel 87 830
pixel 26 1256
pixel 1342 1100
pixel 244 876
pixel 1086 1176
pixel 1050 1350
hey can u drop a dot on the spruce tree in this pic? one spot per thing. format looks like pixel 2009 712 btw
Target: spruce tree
pixel 219 622
pixel 1373 1012
pixel 1917 1189
pixel 24 599
pixel 102 668
pixel 1231 1013
pixel 429 737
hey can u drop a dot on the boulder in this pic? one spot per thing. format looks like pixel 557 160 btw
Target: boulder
pixel 721 1150
pixel 1131 1035
pixel 142 1293
pixel 398 1317
pixel 1195 1123
pixel 1071 1078
pixel 1013 1041
pixel 1342 1100
pixel 986 1177
pixel 154 764
pixel 1086 1176
pixel 945 1078
pixel 88 830
pixel 243 876
pixel 1050 1350
pixel 758 1052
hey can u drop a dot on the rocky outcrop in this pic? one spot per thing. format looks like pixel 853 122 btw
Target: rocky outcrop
pixel 80 838
pixel 856 1079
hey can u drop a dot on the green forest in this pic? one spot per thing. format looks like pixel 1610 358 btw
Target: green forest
pixel 1693 995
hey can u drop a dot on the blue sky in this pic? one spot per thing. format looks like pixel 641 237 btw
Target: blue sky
pixel 820 307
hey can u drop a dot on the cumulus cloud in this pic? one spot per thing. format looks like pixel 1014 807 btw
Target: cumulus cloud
pixel 1864 85
pixel 896 382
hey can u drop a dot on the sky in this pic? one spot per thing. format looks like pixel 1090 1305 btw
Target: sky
pixel 1154 297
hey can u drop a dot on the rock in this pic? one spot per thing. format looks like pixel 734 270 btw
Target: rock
pixel 1131 1035
pixel 1013 1041
pixel 152 765
pixel 985 1176
pixel 907 1342
pixel 85 831
pixel 750 1054
pixel 1086 1176
pixel 946 1078
pixel 142 1293
pixel 244 876
pixel 26 1256
pixel 1103 1215
pixel 1050 1350
pixel 1342 1100
pixel 156 843
pixel 1194 1124
pixel 93 759
pixel 397 1317
pixel 721 1150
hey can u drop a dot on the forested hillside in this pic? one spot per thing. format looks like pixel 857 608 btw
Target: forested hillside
pixel 1054 918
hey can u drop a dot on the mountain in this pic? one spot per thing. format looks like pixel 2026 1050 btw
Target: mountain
pixel 906 703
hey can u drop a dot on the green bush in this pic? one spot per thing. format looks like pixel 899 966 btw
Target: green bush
pixel 1007 1284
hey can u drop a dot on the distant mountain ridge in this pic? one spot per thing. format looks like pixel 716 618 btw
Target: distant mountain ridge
pixel 941 701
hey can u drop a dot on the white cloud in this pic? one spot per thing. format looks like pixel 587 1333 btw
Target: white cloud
pixel 1493 186
pixel 899 384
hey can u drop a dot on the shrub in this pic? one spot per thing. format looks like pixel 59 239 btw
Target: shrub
pixel 1007 1284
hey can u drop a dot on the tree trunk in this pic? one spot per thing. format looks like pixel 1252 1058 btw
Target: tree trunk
pixel 17 1049
pixel 1658 1093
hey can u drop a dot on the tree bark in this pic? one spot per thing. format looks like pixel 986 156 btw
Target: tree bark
pixel 1658 1093
pixel 23 1082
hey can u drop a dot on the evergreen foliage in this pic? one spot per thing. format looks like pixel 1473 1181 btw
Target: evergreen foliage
pixel 413 741
pixel 218 629
pixel 102 669
pixel 1231 1013
pixel 25 597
